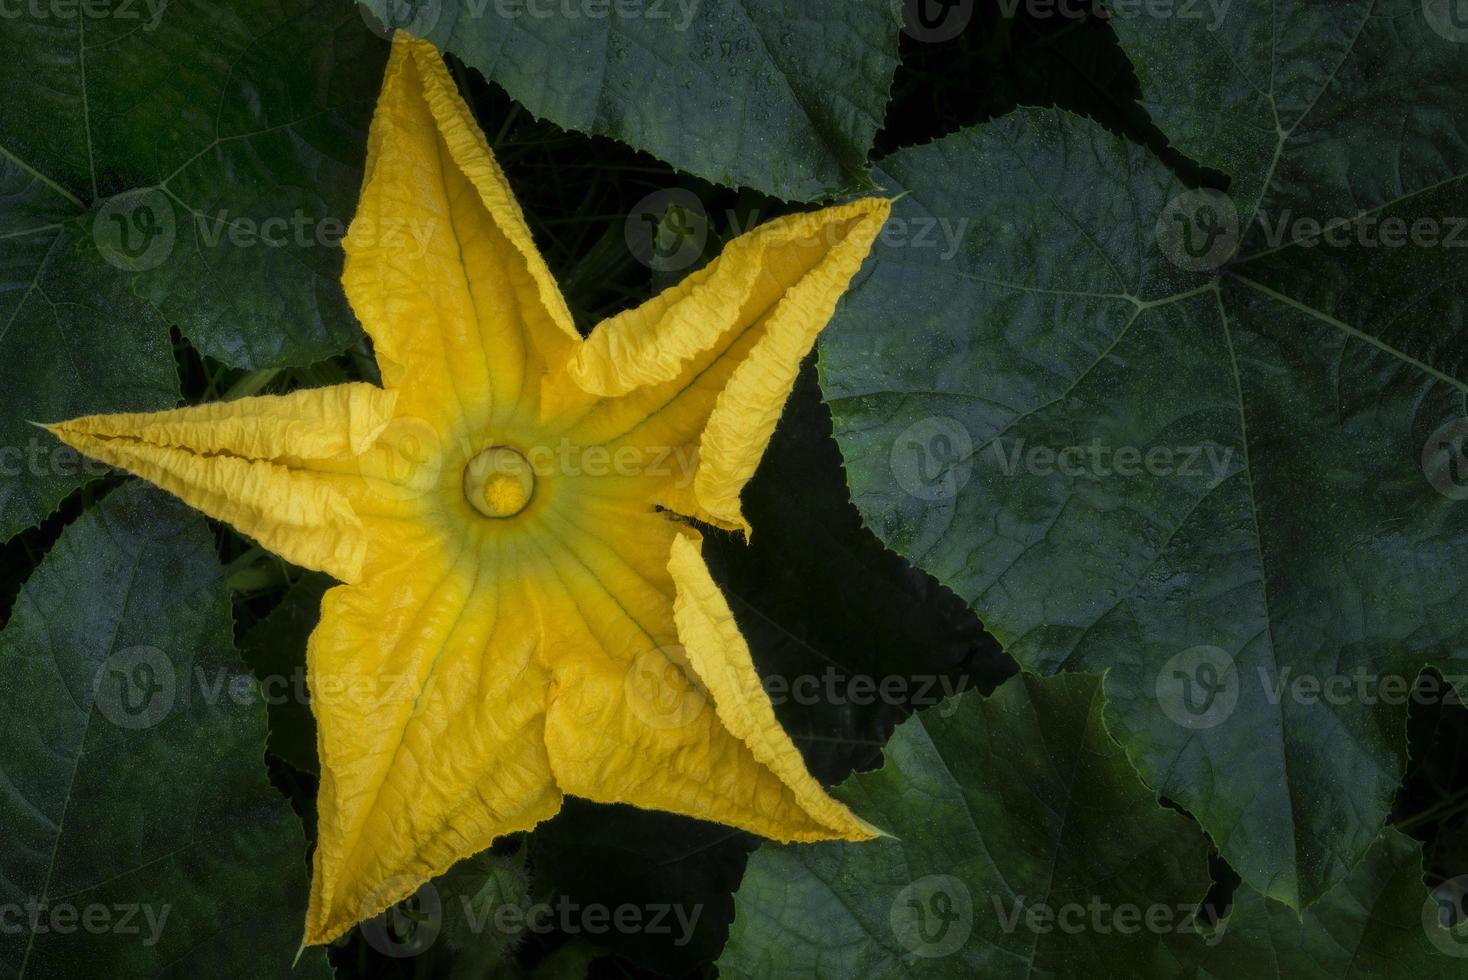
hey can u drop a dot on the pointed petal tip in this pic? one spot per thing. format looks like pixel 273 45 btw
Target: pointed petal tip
pixel 884 204
pixel 843 825
pixel 736 524
pixel 876 210
pixel 63 431
pixel 877 832
pixel 321 930
pixel 401 36
pixel 852 827
pixel 876 206
pixel 322 934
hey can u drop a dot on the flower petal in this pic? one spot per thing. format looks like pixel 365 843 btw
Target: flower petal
pixel 710 362
pixel 630 719
pixel 441 268
pixel 429 697
pixel 720 658
pixel 246 463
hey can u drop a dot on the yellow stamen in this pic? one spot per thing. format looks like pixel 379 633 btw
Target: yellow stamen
pixel 499 482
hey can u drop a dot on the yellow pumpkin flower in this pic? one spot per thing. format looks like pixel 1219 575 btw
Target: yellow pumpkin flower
pixel 524 613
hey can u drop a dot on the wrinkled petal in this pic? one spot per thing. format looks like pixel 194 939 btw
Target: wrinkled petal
pixel 429 698
pixel 630 719
pixel 246 463
pixel 720 660
pixel 708 364
pixel 440 265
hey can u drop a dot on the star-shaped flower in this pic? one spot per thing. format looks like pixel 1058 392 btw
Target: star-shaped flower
pixel 524 615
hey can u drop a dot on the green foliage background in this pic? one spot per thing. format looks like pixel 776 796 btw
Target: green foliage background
pixel 1295 840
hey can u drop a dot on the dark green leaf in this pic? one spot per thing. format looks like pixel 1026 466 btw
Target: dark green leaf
pixel 1024 846
pixel 1228 482
pixel 1379 923
pixel 190 163
pixel 73 340
pixel 1027 794
pixel 785 99
pixel 140 825
pixel 1330 109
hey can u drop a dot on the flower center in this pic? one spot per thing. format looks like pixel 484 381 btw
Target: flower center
pixel 499 482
